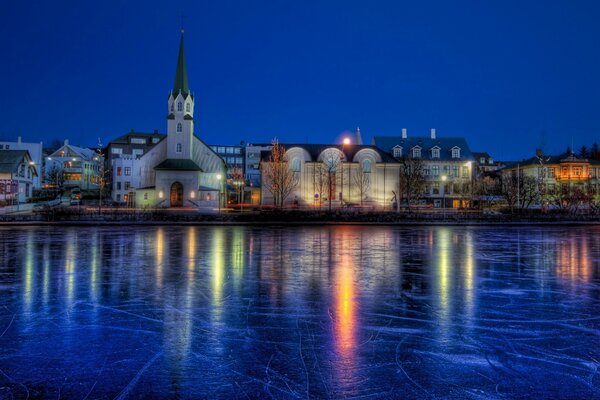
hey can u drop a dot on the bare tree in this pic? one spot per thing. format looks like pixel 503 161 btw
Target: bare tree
pixel 280 179
pixel 362 182
pixel 319 181
pixel 237 179
pixel 411 180
pixel 55 177
pixel 520 190
pixel 331 161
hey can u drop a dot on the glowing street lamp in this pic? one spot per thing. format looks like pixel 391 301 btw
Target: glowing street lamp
pixel 444 178
pixel 345 142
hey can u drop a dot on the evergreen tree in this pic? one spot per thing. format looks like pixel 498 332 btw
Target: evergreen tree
pixel 584 152
pixel 595 153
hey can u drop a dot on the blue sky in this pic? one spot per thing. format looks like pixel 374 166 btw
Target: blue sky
pixel 509 76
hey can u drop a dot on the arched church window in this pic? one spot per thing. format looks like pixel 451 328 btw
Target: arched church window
pixel 179 106
pixel 178 149
pixel 296 165
pixel 188 107
pixel 179 127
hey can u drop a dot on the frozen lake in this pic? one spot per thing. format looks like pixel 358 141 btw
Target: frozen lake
pixel 319 312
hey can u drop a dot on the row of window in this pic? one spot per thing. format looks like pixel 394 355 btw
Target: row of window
pixel 448 170
pixel 126 185
pixel 127 171
pixel 234 160
pixel 416 152
pixel 226 150
pixel 4 146
pixel 188 107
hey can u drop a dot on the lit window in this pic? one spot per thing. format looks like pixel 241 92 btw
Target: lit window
pixel 366 166
pixel 119 171
pixel 127 171
pixel 179 106
pixel 397 152
pixel 435 170
pixel 179 127
pixel 187 107
pixel 178 148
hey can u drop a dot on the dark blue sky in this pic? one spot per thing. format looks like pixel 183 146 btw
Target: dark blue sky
pixel 508 76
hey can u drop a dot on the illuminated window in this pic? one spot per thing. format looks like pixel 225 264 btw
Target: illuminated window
pixel 119 171
pixel 179 127
pixel 435 170
pixel 127 171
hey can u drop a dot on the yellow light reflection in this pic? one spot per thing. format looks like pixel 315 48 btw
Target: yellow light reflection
pixel 70 267
pixel 191 245
pixel 94 267
pixel 469 276
pixel 345 322
pixel 443 251
pixel 237 254
pixel 160 256
pixel 28 279
pixel 573 262
pixel 218 271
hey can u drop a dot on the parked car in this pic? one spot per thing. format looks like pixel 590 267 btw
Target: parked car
pixel 75 197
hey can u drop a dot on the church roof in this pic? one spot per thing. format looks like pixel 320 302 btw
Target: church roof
pixel 181 78
pixel 176 164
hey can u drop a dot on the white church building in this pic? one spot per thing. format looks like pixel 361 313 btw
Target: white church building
pixel 181 170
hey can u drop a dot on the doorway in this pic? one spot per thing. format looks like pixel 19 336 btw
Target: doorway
pixel 176 195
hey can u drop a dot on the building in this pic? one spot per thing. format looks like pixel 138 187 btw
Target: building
pixel 180 170
pixel 17 174
pixel 447 165
pixel 78 167
pixel 35 152
pixel 235 164
pixel 122 154
pixel 254 153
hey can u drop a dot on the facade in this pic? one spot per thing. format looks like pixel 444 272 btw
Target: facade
pixel 556 179
pixel 253 155
pixel 80 167
pixel 121 160
pixel 35 152
pixel 448 165
pixel 180 170
pixel 17 174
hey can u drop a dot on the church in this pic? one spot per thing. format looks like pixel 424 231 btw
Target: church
pixel 180 170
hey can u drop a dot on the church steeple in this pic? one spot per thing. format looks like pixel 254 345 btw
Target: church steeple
pixel 181 78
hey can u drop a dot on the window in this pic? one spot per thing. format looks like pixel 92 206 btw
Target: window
pixel 179 106
pixel 116 150
pixel 397 152
pixel 577 171
pixel 416 152
pixel 435 152
pixel 119 197
pixel 238 150
pixel 178 148
pixel 239 160
pixel 550 172
pixel 366 166
pixel 465 172
pixel 155 140
pixel 127 185
pixel 187 107
pixel 127 171
pixel 179 127
pixel 435 170
pixel 455 170
pixel 1 146
pixel 455 152
pixel 145 195
pixel 482 160
pixel 137 152
pixel 119 171
pixel 118 185
pixel 137 140
pixel 229 150
pixel 7 147
pixel 296 165
pixel 435 188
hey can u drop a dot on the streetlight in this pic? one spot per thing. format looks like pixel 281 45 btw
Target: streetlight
pixel 345 142
pixel 219 179
pixel 444 178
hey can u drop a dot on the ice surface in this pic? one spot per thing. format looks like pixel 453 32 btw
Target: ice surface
pixel 314 312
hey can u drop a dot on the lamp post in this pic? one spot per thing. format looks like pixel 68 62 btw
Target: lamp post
pixel 444 178
pixel 345 142
pixel 219 179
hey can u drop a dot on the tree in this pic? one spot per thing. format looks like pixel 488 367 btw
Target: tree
pixel 237 179
pixel 319 181
pixel 411 180
pixel 331 160
pixel 584 152
pixel 362 182
pixel 279 180
pixel 595 153
pixel 519 190
pixel 55 177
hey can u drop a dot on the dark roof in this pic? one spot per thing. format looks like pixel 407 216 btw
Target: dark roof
pixel 181 78
pixel 125 139
pixel 176 164
pixel 207 189
pixel 387 143
pixel 349 150
pixel 478 155
pixel 564 157
pixel 10 159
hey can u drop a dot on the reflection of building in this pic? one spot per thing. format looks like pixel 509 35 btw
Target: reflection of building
pixel 17 172
pixel 81 167
pixel 35 152
pixel 180 170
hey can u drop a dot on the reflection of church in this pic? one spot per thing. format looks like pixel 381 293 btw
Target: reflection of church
pixel 181 170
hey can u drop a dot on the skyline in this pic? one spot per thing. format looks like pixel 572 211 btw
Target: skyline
pixel 308 72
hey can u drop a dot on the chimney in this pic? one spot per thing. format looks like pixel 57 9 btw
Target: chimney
pixel 66 142
pixel 403 133
pixel 433 133
pixel 19 139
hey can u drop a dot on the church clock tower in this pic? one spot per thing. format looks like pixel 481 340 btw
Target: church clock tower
pixel 180 119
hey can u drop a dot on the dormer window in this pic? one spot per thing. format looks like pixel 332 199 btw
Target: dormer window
pixel 456 152
pixel 397 151
pixel 179 127
pixel 188 107
pixel 416 152
pixel 180 106
pixel 435 152
pixel 482 160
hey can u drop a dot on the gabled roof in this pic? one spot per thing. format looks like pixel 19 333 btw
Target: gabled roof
pixel 10 160
pixel 74 151
pixel 176 164
pixel 387 143
pixel 548 160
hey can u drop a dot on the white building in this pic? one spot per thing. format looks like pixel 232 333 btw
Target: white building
pixel 181 170
pixel 81 167
pixel 17 172
pixel 35 152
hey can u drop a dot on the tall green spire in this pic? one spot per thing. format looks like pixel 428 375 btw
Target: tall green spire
pixel 181 78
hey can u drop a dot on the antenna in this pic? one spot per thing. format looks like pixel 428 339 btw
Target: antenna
pixel 182 17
